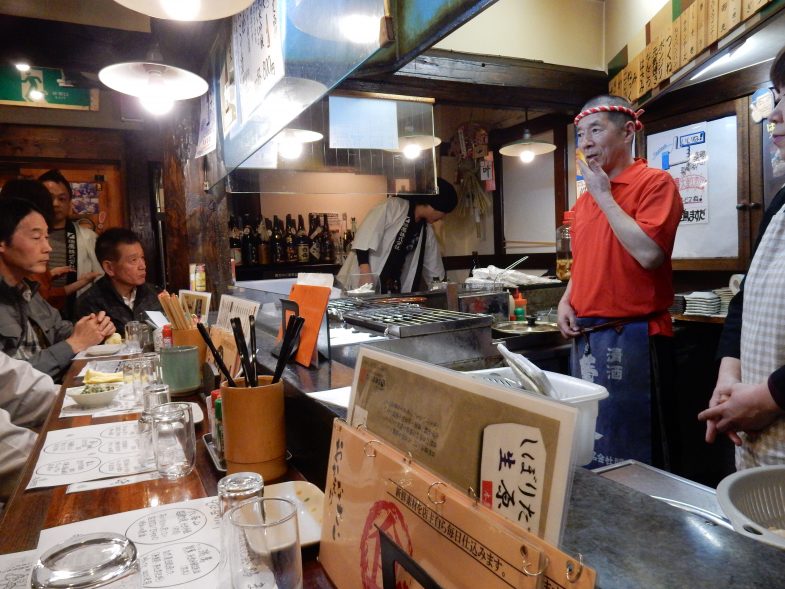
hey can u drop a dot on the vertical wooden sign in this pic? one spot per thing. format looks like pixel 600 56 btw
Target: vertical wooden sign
pixel 712 20
pixel 728 17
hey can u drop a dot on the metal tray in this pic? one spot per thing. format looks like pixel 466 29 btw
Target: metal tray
pixel 218 463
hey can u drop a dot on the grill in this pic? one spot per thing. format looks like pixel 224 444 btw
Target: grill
pixel 407 320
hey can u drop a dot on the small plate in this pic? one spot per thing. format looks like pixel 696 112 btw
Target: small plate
pixel 103 350
pixel 310 503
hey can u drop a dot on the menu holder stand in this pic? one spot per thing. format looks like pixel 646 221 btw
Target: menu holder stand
pixel 381 507
pixel 311 303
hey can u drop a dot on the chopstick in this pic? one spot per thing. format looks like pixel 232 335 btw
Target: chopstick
pixel 242 351
pixel 252 329
pixel 292 330
pixel 218 360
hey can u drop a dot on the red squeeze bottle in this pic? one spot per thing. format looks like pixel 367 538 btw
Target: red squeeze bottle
pixel 166 336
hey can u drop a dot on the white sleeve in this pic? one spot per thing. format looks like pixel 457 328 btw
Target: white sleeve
pixel 26 394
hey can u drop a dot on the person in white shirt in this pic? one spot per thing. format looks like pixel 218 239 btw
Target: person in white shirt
pixel 26 395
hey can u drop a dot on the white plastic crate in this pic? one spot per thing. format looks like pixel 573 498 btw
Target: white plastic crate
pixel 754 501
pixel 583 395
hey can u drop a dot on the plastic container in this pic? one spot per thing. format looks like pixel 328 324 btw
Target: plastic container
pixel 754 501
pixel 564 247
pixel 581 394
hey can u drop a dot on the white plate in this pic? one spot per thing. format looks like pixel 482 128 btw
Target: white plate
pixel 310 502
pixel 103 349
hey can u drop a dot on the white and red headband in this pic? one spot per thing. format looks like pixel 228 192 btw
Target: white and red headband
pixel 612 108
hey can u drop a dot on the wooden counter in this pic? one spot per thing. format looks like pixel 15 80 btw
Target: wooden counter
pixel 28 512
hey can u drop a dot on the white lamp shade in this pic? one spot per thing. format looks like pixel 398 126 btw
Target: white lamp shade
pixel 298 136
pixel 187 9
pixel 355 21
pixel 410 143
pixel 139 78
pixel 527 144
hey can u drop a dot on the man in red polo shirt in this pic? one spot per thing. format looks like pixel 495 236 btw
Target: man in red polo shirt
pixel 616 303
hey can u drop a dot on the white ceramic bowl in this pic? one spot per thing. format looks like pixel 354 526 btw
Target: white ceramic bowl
pixel 94 399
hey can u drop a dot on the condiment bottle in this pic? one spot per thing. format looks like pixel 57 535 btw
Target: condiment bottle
pixel 564 247
pixel 520 309
pixel 166 336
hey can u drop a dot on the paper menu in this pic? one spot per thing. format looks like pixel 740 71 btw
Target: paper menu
pixel 178 544
pixel 439 415
pixel 15 569
pixel 89 453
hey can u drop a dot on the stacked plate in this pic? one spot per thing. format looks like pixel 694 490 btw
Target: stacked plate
pixel 678 306
pixel 725 294
pixel 702 303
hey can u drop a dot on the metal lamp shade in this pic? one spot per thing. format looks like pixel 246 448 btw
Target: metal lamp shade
pixel 134 78
pixel 187 9
pixel 516 148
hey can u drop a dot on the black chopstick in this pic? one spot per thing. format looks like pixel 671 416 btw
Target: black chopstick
pixel 242 350
pixel 286 348
pixel 218 360
pixel 252 329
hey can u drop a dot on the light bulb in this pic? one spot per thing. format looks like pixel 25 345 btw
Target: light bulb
pixel 181 9
pixel 290 150
pixel 36 95
pixel 412 151
pixel 23 67
pixel 156 105
pixel 527 156
pixel 359 28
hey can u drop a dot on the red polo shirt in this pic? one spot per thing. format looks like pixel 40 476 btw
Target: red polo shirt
pixel 606 280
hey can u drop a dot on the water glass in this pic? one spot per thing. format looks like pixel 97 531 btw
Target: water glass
pixel 153 395
pixel 238 487
pixel 150 369
pixel 134 334
pixel 264 544
pixel 174 439
pixel 132 377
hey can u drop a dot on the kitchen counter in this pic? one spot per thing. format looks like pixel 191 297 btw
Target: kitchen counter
pixel 630 538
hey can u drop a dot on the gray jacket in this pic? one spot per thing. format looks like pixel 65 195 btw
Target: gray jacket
pixel 14 312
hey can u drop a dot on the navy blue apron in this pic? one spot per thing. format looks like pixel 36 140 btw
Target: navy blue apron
pixel 618 359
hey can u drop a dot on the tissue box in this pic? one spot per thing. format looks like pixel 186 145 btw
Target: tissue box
pixel 582 394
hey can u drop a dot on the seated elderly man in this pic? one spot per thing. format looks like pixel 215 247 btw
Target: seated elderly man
pixel 122 292
pixel 26 396
pixel 30 328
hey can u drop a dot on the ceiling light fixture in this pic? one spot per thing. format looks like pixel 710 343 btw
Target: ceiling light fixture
pixel 188 10
pixel 527 148
pixel 732 55
pixel 291 141
pixel 354 22
pixel 156 84
pixel 22 67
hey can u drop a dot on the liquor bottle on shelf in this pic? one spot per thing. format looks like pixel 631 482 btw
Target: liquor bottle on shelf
pixel 234 242
pixel 475 263
pixel 301 242
pixel 248 246
pixel 328 246
pixel 348 238
pixel 289 237
pixel 314 234
pixel 263 243
pixel 277 243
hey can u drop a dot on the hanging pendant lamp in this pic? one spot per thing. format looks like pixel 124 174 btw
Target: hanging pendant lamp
pixel 291 141
pixel 156 84
pixel 527 148
pixel 187 9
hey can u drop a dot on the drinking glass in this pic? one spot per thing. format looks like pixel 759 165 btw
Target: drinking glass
pixel 150 369
pixel 132 377
pixel 154 395
pixel 133 336
pixel 237 488
pixel 264 544
pixel 174 439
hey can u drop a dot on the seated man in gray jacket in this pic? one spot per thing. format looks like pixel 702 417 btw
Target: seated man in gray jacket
pixel 26 396
pixel 30 328
pixel 123 292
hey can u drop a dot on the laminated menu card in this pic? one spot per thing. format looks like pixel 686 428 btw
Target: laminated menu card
pixel 390 523
pixel 440 417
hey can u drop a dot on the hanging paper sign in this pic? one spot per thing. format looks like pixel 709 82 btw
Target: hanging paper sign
pixel 207 120
pixel 258 54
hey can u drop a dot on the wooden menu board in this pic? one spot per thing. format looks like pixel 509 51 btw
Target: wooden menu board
pixel 729 16
pixel 387 520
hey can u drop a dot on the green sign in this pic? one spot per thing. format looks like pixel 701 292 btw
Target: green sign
pixel 43 87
